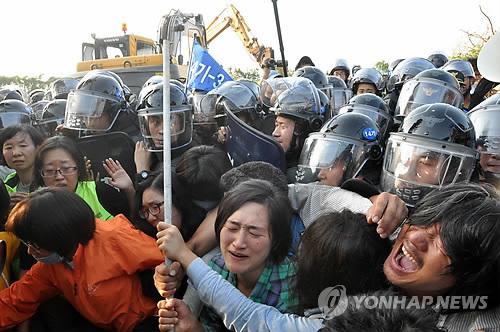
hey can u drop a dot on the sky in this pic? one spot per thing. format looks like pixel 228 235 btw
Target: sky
pixel 44 37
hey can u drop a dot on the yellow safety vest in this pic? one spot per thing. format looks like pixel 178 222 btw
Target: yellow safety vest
pixel 87 191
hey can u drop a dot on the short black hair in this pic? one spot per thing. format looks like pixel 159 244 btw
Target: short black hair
pixel 199 169
pixel 278 206
pixel 469 216
pixel 67 144
pixel 254 170
pixel 340 248
pixel 382 319
pixel 11 131
pixel 54 219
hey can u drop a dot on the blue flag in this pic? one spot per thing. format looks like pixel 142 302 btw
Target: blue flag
pixel 204 72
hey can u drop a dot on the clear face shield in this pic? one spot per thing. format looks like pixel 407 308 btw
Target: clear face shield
pixel 271 88
pixel 331 159
pixel 204 108
pixel 90 111
pixel 48 126
pixel 340 97
pixel 151 125
pixel 13 118
pixel 487 129
pixel 38 108
pixel 418 92
pixel 62 87
pixel 415 166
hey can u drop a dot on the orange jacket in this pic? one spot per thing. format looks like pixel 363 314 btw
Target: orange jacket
pixel 102 286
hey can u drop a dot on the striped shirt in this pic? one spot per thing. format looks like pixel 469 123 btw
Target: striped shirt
pixel 480 320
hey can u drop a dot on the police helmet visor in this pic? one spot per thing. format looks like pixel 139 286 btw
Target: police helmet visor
pixel 340 98
pixel 38 108
pixel 330 156
pixel 418 92
pixel 151 125
pixel 203 107
pixel 238 94
pixel 83 108
pixel 62 87
pixel 272 88
pixel 414 166
pixel 486 123
pixel 13 118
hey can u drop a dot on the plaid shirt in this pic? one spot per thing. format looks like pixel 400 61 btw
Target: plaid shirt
pixel 272 288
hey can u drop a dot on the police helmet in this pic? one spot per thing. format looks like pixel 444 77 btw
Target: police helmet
pixel 437 59
pixel 374 107
pixel 406 70
pixel 367 75
pixel 95 103
pixel 13 111
pixel 60 88
pixel 150 113
pixel 340 150
pixel 52 116
pixel 435 148
pixel 428 87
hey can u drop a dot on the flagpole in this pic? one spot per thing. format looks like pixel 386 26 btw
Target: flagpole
pixel 167 175
pixel 188 76
pixel 280 39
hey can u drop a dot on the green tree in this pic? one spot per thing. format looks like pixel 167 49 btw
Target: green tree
pixel 382 66
pixel 26 82
pixel 252 74
pixel 475 40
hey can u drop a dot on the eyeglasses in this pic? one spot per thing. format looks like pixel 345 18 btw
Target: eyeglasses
pixel 153 209
pixel 50 173
pixel 30 245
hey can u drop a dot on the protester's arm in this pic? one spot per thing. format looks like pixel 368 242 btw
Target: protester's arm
pixel 21 300
pixel 238 312
pixel 388 211
pixel 121 180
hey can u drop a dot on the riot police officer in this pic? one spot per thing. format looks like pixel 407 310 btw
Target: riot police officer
pixel 367 80
pixel 485 117
pixel 298 113
pixel 340 150
pixel 98 105
pixel 404 70
pixel 436 147
pixel 428 87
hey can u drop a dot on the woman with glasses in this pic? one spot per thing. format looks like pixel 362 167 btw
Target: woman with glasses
pixel 59 163
pixel 150 203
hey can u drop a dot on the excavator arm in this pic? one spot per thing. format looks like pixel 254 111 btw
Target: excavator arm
pixel 231 17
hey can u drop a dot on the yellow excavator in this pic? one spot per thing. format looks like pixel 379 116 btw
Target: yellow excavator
pixel 136 58
pixel 231 17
